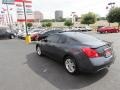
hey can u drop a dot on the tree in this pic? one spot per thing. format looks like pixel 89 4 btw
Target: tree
pixel 48 24
pixel 68 23
pixel 29 25
pixel 89 18
pixel 47 20
pixel 43 25
pixel 114 16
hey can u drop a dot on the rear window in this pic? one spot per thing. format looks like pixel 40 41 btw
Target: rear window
pixel 87 39
pixel 83 38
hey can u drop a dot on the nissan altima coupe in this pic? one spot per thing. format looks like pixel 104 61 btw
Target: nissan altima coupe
pixel 77 51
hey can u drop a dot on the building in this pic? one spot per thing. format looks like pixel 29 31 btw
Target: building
pixel 38 16
pixel 58 15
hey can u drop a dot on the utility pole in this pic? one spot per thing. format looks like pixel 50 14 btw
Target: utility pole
pixel 28 37
pixel 9 21
pixel 111 4
pixel 25 17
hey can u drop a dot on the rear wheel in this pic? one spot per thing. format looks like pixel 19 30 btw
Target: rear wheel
pixel 12 36
pixel 117 31
pixel 106 31
pixel 70 65
pixel 38 50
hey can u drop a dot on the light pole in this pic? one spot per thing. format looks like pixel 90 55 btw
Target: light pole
pixel 28 37
pixel 8 16
pixel 112 5
pixel 73 17
pixel 25 17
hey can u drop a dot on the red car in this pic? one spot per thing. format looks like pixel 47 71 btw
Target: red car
pixel 107 30
pixel 34 34
pixel 34 37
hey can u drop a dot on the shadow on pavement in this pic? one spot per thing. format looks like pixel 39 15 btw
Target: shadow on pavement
pixel 55 74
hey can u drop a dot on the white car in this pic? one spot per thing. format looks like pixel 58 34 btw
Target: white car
pixel 82 28
pixel 88 28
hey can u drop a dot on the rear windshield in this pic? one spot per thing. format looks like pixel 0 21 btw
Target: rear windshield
pixel 84 38
pixel 87 39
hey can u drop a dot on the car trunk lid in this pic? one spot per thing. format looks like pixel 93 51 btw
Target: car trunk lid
pixel 102 48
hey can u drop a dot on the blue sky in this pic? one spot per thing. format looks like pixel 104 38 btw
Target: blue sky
pixel 47 7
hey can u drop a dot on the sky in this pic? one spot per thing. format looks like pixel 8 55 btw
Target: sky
pixel 48 7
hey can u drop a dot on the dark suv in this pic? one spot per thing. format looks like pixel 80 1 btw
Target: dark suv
pixel 5 33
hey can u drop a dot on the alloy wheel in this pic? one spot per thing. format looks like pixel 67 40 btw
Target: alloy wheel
pixel 38 51
pixel 70 65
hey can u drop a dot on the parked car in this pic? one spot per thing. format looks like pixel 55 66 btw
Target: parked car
pixel 77 51
pixel 107 30
pixel 21 35
pixel 88 28
pixel 47 33
pixel 33 33
pixel 6 33
pixel 98 27
pixel 82 28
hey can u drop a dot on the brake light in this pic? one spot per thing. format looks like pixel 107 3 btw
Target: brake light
pixel 91 53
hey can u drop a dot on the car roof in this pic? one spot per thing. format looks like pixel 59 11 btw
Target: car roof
pixel 79 36
pixel 72 34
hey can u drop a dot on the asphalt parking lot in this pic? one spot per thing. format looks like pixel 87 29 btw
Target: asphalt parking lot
pixel 22 69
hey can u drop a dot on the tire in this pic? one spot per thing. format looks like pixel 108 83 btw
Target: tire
pixel 38 51
pixel 117 31
pixel 12 36
pixel 106 31
pixel 36 39
pixel 70 65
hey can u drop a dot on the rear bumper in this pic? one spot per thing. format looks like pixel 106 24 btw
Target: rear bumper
pixel 94 65
pixel 99 68
pixel 95 69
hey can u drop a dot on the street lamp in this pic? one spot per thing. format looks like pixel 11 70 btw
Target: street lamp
pixel 112 5
pixel 73 17
pixel 28 38
pixel 8 15
pixel 25 17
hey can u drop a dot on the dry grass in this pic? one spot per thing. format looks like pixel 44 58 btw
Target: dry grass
pixel 94 26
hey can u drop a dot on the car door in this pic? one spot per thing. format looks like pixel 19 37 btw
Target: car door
pixel 53 46
pixel 2 33
pixel 60 47
pixel 64 46
pixel 48 45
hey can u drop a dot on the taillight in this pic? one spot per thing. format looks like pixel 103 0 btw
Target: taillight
pixel 91 53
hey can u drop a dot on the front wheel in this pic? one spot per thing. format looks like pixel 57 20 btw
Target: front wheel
pixel 117 31
pixel 38 50
pixel 70 65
